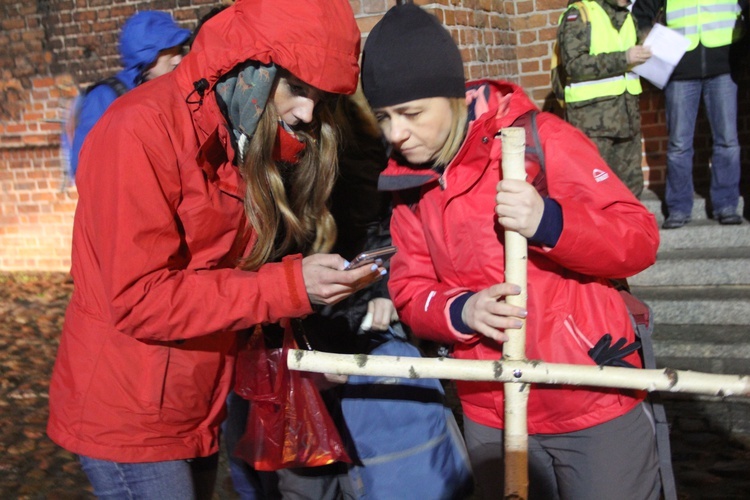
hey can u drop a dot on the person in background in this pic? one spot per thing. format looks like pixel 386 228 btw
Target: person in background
pixel 598 47
pixel 708 70
pixel 177 246
pixel 447 279
pixel 151 45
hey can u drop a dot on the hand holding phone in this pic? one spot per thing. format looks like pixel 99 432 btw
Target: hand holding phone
pixel 371 256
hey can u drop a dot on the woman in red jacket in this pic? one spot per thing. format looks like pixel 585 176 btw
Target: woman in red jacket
pixel 583 226
pixel 167 265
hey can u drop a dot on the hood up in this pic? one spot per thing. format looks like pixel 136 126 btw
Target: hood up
pixel 316 40
pixel 147 33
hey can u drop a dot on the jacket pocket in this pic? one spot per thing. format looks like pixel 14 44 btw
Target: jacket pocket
pixel 195 378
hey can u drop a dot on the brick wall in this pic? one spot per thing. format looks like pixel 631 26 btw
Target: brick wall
pixel 49 48
pixel 36 206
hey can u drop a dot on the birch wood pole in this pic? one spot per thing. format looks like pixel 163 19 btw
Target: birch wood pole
pixel 515 434
pixel 522 372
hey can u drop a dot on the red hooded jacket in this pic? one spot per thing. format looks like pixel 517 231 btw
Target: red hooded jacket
pixel 449 243
pixel 146 356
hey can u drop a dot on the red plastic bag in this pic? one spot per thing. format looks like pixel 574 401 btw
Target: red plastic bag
pixel 288 424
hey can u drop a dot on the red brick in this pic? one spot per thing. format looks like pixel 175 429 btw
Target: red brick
pixel 43 82
pixel 530 66
pixel 524 7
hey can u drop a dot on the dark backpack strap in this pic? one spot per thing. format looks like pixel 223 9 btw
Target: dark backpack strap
pixel 534 152
pixel 643 322
pixel 533 142
pixel 112 82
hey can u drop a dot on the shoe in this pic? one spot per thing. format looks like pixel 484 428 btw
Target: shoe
pixel 675 220
pixel 728 218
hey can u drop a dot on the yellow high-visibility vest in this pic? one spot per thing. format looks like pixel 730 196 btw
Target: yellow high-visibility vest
pixel 714 23
pixel 604 39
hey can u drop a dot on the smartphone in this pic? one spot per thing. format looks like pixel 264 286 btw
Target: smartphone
pixel 370 256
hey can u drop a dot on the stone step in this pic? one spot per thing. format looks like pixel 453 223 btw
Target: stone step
pixel 697 305
pixel 699 290
pixel 704 359
pixel 705 234
pixel 704 364
pixel 694 413
pixel 708 349
pixel 704 348
pixel 697 266
pixel 725 335
pixel 654 203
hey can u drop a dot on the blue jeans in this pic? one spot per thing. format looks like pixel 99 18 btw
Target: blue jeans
pixel 682 101
pixel 248 483
pixel 173 479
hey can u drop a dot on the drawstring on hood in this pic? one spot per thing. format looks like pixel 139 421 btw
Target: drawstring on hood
pixel 199 87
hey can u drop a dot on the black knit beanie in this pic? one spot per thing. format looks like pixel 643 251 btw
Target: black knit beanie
pixel 409 55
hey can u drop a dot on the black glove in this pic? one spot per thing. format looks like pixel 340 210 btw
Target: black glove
pixel 606 354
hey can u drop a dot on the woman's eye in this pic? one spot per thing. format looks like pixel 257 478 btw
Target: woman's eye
pixel 297 90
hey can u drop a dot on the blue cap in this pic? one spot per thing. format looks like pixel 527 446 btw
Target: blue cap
pixel 147 33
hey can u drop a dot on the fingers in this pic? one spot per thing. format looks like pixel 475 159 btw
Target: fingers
pixel 366 324
pixel 488 314
pixel 637 54
pixel 324 381
pixel 380 314
pixel 519 207
pixel 394 315
pixel 329 260
pixel 327 283
pixel 630 55
pixel 502 289
pixel 383 311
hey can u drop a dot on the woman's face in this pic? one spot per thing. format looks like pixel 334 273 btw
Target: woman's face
pixel 417 129
pixel 295 100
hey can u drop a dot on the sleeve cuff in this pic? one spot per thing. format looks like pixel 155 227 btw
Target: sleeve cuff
pixel 455 310
pixel 551 225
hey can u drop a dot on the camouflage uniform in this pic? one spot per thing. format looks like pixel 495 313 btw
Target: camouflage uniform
pixel 612 123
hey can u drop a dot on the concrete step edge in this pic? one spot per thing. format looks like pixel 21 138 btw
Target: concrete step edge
pixel 694 271
pixel 705 234
pixel 713 334
pixel 654 203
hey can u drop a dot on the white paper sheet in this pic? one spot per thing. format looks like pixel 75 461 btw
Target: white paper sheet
pixel 667 48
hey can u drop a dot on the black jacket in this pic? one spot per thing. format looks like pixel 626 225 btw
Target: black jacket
pixel 362 216
pixel 701 62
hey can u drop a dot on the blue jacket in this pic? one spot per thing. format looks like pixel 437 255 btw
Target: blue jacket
pixel 143 36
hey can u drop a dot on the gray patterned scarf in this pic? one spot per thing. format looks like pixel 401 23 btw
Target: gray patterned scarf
pixel 242 95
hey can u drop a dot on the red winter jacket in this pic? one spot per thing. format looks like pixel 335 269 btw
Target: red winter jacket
pixel 147 351
pixel 449 243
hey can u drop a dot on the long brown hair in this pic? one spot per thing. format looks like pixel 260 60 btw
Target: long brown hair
pixel 288 208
